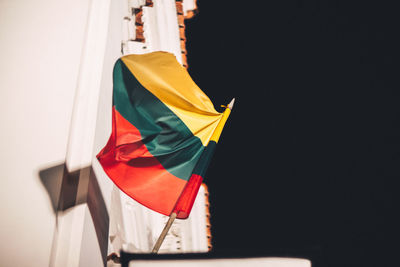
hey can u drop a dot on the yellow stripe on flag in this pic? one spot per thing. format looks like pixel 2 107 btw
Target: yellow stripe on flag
pixel 164 77
pixel 217 133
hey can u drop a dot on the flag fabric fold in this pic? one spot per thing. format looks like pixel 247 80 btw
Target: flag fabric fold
pixel 161 125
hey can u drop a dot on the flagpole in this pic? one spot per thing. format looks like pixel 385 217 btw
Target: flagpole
pixel 173 215
pixel 164 233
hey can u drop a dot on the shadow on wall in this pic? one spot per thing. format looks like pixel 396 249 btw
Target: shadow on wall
pixel 68 189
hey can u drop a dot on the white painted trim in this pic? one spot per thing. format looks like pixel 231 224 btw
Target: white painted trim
pixel 66 251
pixel 172 25
pixel 188 5
pixel 254 262
pixel 83 124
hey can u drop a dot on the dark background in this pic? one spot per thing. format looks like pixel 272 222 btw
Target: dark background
pixel 308 163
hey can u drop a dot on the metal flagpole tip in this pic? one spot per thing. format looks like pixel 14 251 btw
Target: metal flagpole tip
pixel 230 105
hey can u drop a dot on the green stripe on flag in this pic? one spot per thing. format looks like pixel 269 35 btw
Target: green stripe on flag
pixel 205 159
pixel 165 135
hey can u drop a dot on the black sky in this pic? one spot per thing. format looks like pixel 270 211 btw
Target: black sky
pixel 309 161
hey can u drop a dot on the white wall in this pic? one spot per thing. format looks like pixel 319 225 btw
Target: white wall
pixel 40 50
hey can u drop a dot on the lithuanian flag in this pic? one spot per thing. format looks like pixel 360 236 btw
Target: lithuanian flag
pixel 164 130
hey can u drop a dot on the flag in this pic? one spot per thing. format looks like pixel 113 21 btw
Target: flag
pixel 162 124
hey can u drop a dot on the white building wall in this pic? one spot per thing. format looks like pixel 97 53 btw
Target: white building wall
pixel 40 49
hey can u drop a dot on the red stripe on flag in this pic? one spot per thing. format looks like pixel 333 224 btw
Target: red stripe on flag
pixel 135 171
pixel 188 196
